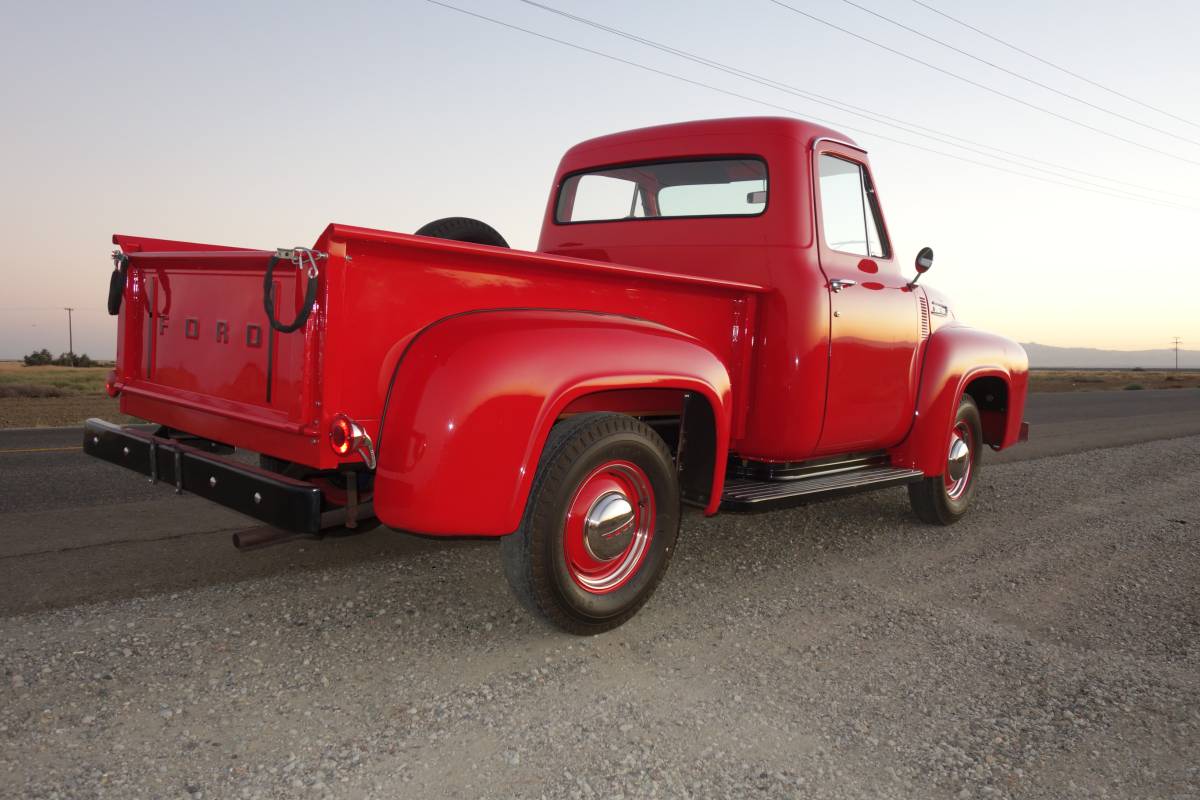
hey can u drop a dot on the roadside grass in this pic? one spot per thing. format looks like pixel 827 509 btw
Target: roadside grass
pixel 18 380
pixel 35 397
pixel 1080 380
pixel 29 390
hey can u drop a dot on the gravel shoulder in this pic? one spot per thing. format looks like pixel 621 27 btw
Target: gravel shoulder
pixel 1047 646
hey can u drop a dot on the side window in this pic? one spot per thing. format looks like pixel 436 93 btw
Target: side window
pixel 849 211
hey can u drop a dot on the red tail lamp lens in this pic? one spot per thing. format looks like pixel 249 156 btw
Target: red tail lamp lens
pixel 347 437
pixel 110 383
pixel 342 435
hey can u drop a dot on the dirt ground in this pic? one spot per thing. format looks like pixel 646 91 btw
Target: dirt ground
pixel 1046 647
pixel 53 412
pixel 1094 380
pixel 37 397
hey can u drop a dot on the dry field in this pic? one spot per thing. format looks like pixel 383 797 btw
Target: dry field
pixel 1093 380
pixel 35 397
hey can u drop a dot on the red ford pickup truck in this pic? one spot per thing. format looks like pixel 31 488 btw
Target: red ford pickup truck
pixel 714 316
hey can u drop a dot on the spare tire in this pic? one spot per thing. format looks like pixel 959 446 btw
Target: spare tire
pixel 463 229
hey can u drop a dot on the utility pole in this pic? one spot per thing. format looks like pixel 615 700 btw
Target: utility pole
pixel 1176 341
pixel 70 336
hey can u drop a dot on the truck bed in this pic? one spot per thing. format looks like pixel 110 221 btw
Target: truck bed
pixel 196 352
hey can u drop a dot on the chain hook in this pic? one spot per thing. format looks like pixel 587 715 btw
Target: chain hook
pixel 300 256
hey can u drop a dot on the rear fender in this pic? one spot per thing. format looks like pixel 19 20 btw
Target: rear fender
pixel 474 396
pixel 956 357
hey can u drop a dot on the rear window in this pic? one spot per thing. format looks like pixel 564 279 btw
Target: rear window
pixel 724 187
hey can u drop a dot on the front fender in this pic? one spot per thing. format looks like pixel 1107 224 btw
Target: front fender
pixel 475 395
pixel 956 355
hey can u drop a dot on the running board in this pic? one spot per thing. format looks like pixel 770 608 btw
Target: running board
pixel 745 494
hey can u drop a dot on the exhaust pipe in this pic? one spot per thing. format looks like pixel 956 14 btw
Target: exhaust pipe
pixel 266 536
pixel 354 518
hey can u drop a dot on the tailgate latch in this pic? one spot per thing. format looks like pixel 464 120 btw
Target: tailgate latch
pixel 300 256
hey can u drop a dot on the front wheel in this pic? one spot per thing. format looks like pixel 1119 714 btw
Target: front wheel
pixel 600 524
pixel 943 500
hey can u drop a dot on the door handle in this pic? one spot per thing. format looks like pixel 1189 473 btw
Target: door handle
pixel 837 284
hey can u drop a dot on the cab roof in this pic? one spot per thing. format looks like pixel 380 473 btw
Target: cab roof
pixel 728 136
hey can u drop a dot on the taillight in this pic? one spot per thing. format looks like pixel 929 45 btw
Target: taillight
pixel 110 384
pixel 341 435
pixel 346 436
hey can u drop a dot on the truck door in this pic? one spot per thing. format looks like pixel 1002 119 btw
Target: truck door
pixel 874 322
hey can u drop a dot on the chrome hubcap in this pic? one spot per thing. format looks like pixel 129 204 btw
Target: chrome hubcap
pixel 608 526
pixel 958 461
pixel 960 457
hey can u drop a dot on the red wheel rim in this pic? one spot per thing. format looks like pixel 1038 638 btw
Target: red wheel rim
pixel 608 527
pixel 960 461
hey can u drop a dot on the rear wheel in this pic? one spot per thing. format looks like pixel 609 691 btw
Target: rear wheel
pixel 942 500
pixel 463 229
pixel 600 524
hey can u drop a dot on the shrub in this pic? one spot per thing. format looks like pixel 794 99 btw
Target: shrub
pixel 39 358
pixel 73 360
pixel 1134 387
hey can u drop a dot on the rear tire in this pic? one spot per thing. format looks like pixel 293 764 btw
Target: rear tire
pixel 600 524
pixel 944 499
pixel 463 229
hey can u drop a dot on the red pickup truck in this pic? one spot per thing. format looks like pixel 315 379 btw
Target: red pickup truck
pixel 714 316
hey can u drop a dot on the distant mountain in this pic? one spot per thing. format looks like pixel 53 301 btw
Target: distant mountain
pixel 1044 355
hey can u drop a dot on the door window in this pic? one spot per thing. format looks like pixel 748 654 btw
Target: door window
pixel 850 219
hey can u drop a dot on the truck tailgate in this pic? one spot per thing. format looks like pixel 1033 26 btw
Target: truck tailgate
pixel 195 335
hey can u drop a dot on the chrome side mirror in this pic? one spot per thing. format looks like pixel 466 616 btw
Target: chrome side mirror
pixel 923 263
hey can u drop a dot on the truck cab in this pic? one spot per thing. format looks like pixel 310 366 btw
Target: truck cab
pixel 714 316
pixel 837 363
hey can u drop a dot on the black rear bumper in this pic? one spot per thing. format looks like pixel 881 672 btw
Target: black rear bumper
pixel 267 496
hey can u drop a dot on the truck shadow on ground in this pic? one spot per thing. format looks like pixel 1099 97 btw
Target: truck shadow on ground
pixel 126 569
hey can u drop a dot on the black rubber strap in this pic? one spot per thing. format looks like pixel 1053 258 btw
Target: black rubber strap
pixel 116 283
pixel 310 297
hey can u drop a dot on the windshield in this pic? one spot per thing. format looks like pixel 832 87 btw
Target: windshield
pixel 725 187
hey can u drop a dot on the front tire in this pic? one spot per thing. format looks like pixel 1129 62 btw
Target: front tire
pixel 600 524
pixel 944 499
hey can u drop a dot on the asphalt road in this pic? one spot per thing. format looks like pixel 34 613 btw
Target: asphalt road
pixel 1047 646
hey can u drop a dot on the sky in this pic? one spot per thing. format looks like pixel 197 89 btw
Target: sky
pixel 258 123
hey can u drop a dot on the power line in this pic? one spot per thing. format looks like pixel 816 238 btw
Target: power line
pixel 1051 64
pixel 858 111
pixel 984 86
pixel 790 110
pixel 1018 75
